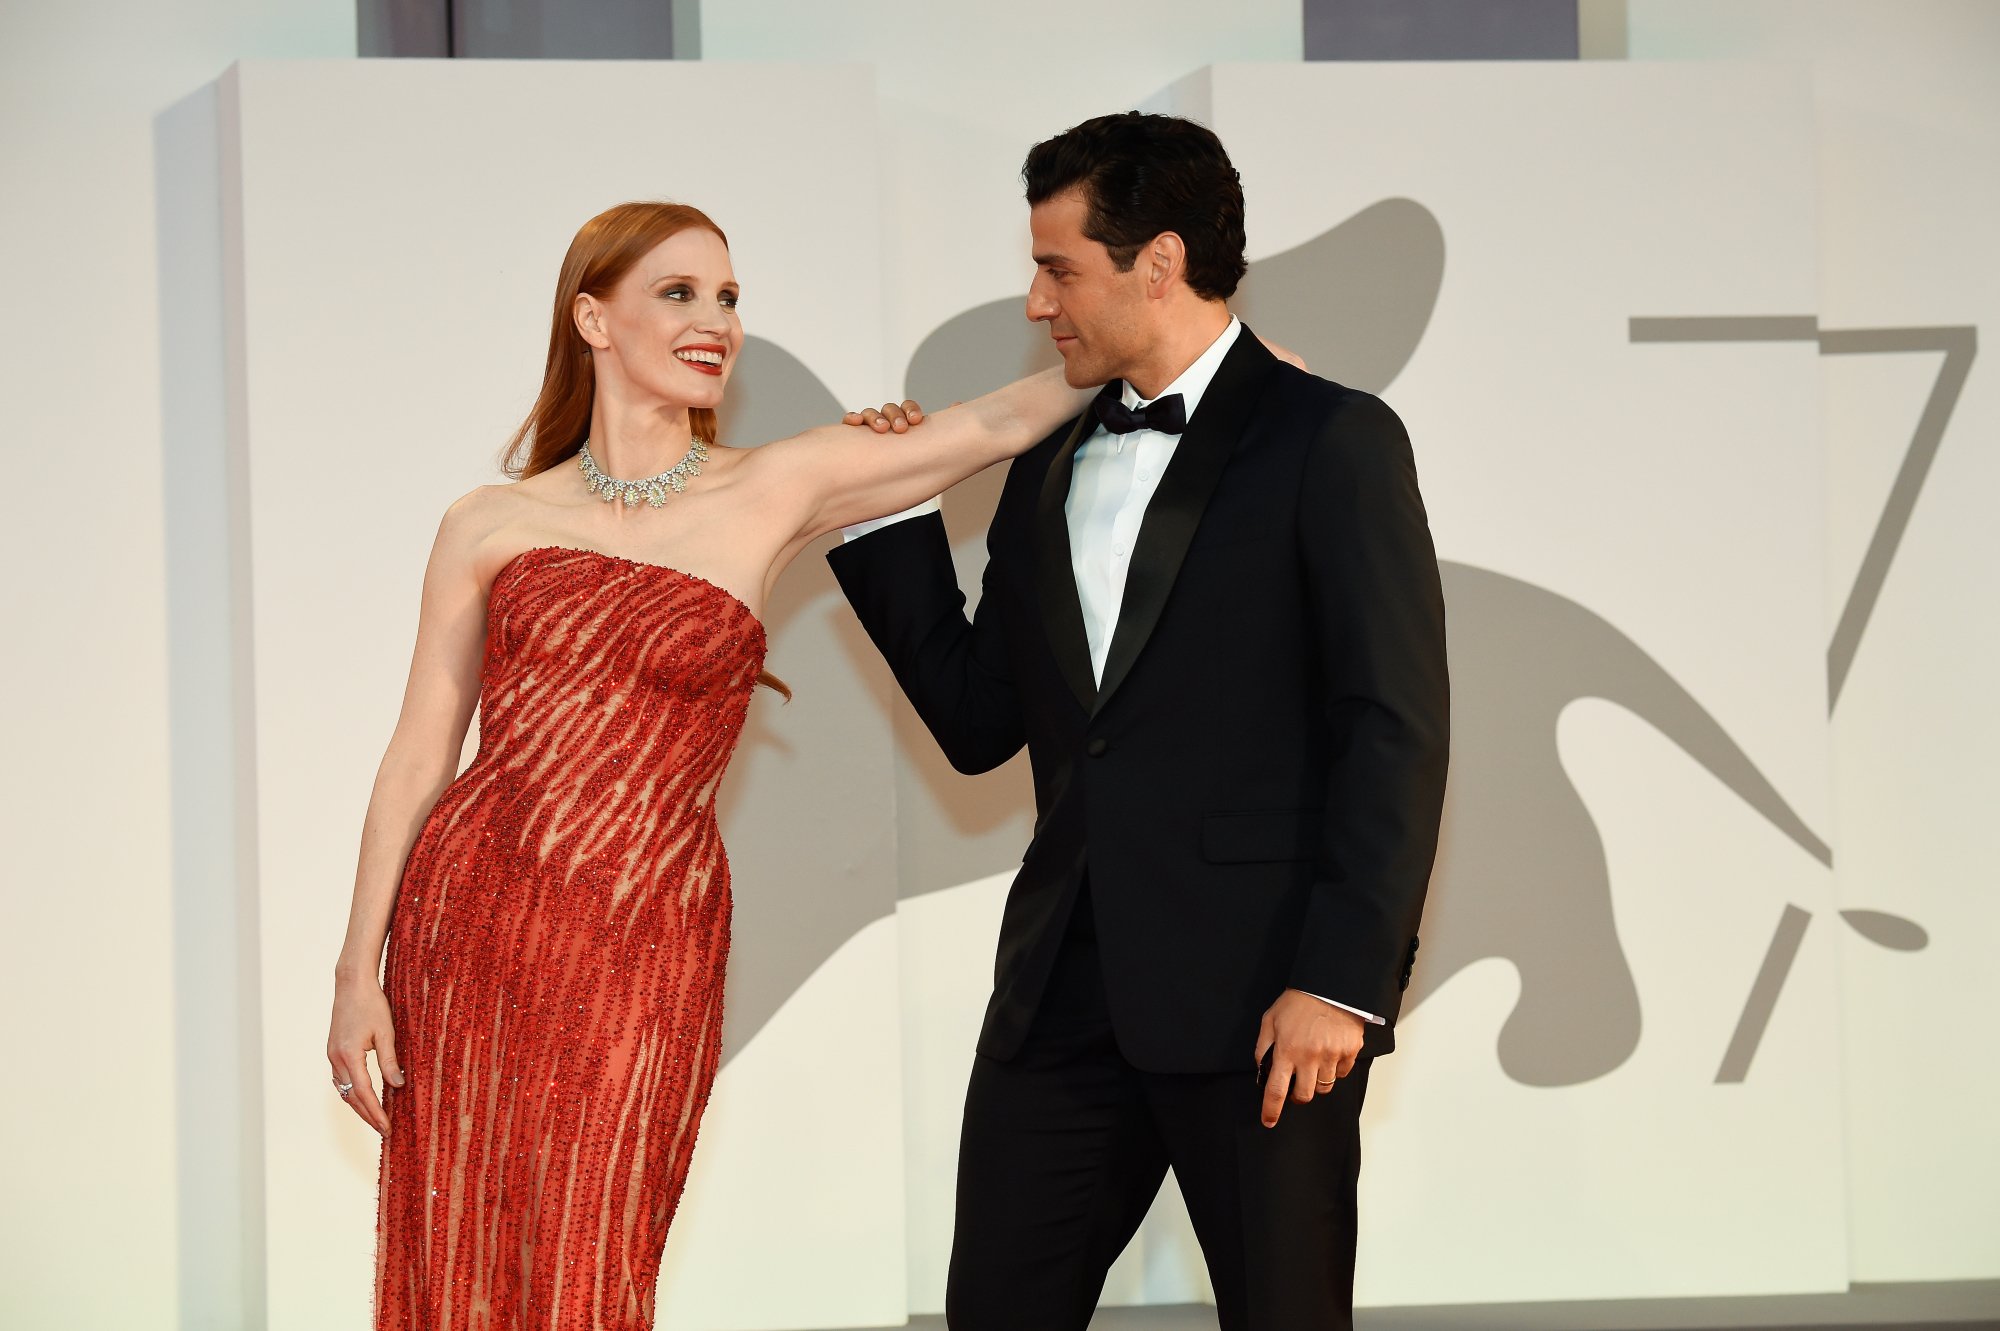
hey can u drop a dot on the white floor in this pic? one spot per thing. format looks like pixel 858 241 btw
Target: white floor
pixel 1964 1306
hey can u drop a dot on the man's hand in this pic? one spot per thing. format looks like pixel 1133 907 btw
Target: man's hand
pixel 1311 1045
pixel 893 416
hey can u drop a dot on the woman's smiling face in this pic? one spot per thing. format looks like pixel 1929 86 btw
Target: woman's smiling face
pixel 669 326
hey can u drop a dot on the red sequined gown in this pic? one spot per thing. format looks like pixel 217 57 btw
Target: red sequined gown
pixel 555 959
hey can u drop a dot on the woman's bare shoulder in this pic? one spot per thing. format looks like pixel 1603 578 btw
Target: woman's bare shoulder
pixel 481 510
pixel 483 520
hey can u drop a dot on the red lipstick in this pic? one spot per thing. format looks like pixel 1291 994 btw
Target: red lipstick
pixel 722 353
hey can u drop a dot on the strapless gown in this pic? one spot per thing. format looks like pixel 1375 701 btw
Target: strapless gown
pixel 555 959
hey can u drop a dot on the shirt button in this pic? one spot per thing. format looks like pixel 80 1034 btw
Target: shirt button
pixel 1096 748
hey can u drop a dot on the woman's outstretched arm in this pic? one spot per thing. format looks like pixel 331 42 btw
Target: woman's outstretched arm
pixel 837 475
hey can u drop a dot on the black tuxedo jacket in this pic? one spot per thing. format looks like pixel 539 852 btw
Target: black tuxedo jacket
pixel 1254 790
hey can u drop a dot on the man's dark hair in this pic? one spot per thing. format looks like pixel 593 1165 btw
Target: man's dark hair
pixel 1143 174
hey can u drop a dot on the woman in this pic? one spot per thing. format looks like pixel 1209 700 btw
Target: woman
pixel 557 917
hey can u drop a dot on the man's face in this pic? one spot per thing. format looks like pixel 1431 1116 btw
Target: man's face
pixel 1096 314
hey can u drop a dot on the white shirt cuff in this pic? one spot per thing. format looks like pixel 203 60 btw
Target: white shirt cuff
pixel 861 529
pixel 1368 1017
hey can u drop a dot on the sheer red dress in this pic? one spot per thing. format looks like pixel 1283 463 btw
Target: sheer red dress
pixel 556 956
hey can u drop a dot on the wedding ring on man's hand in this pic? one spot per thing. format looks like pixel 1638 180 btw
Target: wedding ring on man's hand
pixel 1322 1085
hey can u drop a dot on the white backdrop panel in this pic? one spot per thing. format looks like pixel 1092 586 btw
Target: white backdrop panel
pixel 87 916
pixel 403 223
pixel 1673 494
pixel 1909 152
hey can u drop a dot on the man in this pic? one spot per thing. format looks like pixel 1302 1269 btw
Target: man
pixel 1211 611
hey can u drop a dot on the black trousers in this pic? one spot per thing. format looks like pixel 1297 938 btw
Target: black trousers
pixel 1065 1146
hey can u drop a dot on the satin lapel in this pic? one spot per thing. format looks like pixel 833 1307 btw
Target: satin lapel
pixel 1177 506
pixel 1055 572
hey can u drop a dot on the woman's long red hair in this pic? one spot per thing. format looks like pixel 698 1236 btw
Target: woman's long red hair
pixel 604 250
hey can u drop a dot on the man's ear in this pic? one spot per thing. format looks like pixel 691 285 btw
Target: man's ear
pixel 1166 260
pixel 589 316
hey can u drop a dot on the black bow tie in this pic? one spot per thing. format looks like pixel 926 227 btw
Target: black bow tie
pixel 1167 414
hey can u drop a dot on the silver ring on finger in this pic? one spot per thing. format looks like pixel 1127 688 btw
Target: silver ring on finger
pixel 345 1088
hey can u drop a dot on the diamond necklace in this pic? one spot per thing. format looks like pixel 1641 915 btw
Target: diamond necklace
pixel 652 489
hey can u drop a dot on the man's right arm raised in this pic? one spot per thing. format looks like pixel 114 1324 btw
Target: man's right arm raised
pixel 898 575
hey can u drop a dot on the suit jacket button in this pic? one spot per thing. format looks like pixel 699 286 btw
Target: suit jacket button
pixel 1096 748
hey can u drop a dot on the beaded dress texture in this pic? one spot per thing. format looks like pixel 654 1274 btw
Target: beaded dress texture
pixel 555 961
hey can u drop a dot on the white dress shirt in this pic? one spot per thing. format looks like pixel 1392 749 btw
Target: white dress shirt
pixel 1112 480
